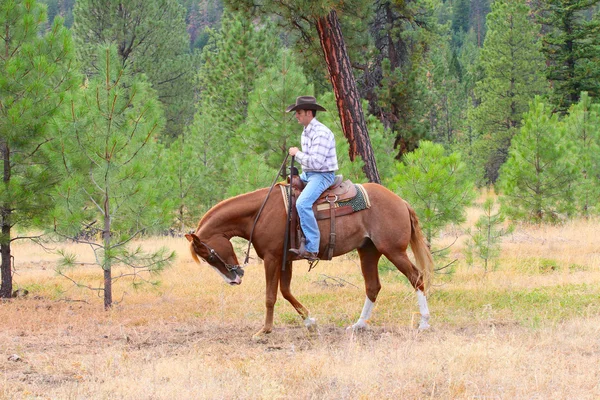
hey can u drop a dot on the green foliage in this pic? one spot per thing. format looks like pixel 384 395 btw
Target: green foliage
pixel 35 75
pixel 513 65
pixel 571 45
pixel 113 173
pixel 537 180
pixel 484 242
pixel 233 59
pixel 268 130
pixel 437 185
pixel 190 178
pixel 460 16
pixel 151 38
pixel 583 128
pixel 447 94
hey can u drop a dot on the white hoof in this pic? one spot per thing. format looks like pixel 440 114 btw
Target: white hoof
pixel 310 324
pixel 424 324
pixel 359 326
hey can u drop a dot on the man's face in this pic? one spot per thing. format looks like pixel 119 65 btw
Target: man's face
pixel 304 117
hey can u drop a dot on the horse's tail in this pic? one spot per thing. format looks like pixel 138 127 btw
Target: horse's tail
pixel 420 249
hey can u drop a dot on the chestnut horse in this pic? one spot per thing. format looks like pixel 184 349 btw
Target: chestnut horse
pixel 386 228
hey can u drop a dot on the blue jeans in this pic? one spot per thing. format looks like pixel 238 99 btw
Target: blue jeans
pixel 316 184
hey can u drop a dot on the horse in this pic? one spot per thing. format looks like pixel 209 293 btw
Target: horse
pixel 386 228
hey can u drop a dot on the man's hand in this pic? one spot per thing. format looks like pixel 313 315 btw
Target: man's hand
pixel 293 151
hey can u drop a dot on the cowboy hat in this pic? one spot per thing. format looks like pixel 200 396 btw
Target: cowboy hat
pixel 305 103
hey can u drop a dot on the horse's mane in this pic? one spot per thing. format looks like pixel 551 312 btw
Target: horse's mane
pixel 224 203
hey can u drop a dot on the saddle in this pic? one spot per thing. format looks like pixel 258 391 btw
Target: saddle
pixel 339 191
pixel 327 206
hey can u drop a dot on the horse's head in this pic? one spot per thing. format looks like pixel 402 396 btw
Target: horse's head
pixel 218 252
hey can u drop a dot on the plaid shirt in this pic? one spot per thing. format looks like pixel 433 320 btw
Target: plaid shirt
pixel 318 149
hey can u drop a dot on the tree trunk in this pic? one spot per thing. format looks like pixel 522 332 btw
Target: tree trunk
pixel 346 93
pixel 6 287
pixel 107 255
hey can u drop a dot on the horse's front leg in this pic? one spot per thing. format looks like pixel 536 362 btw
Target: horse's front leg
pixel 286 279
pixel 272 273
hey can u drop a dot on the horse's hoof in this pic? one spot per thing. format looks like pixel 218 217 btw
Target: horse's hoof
pixel 360 326
pixel 260 336
pixel 424 324
pixel 310 324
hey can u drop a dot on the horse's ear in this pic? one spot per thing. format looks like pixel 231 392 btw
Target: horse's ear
pixel 189 237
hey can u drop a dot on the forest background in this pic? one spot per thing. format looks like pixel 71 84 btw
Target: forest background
pixel 134 117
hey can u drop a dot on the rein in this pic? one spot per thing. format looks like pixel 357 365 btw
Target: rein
pixel 230 267
pixel 261 209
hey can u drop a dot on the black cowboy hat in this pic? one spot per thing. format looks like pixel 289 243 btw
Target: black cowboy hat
pixel 305 103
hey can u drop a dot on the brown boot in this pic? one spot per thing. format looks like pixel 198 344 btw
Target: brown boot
pixel 301 253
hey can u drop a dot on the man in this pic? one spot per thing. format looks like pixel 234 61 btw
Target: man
pixel 319 163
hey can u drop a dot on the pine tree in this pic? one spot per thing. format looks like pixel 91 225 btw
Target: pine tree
pixel 583 127
pixel 269 131
pixel 190 174
pixel 151 38
pixel 438 186
pixel 513 65
pixel 484 242
pixel 321 17
pixel 447 93
pixel 461 9
pixel 35 74
pixel 232 61
pixel 571 44
pixel 113 173
pixel 234 58
pixel 396 79
pixel 537 180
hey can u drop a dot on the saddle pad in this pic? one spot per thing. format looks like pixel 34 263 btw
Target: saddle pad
pixel 358 202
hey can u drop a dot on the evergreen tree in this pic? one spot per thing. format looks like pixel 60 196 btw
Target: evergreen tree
pixel 113 173
pixel 438 186
pixel 484 242
pixel 583 127
pixel 190 165
pixel 447 94
pixel 151 38
pixel 232 61
pixel 35 75
pixel 479 11
pixel 269 131
pixel 572 47
pixel 321 17
pixel 513 66
pixel 396 79
pixel 537 181
pixel 461 10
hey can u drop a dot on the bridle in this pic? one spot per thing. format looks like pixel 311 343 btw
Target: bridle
pixel 213 255
pixel 238 269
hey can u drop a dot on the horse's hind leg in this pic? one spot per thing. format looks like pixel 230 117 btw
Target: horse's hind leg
pixel 402 262
pixel 369 257
pixel 285 283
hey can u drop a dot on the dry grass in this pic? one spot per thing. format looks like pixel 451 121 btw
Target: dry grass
pixel 530 329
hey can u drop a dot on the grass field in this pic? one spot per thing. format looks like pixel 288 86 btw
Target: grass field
pixel 528 330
